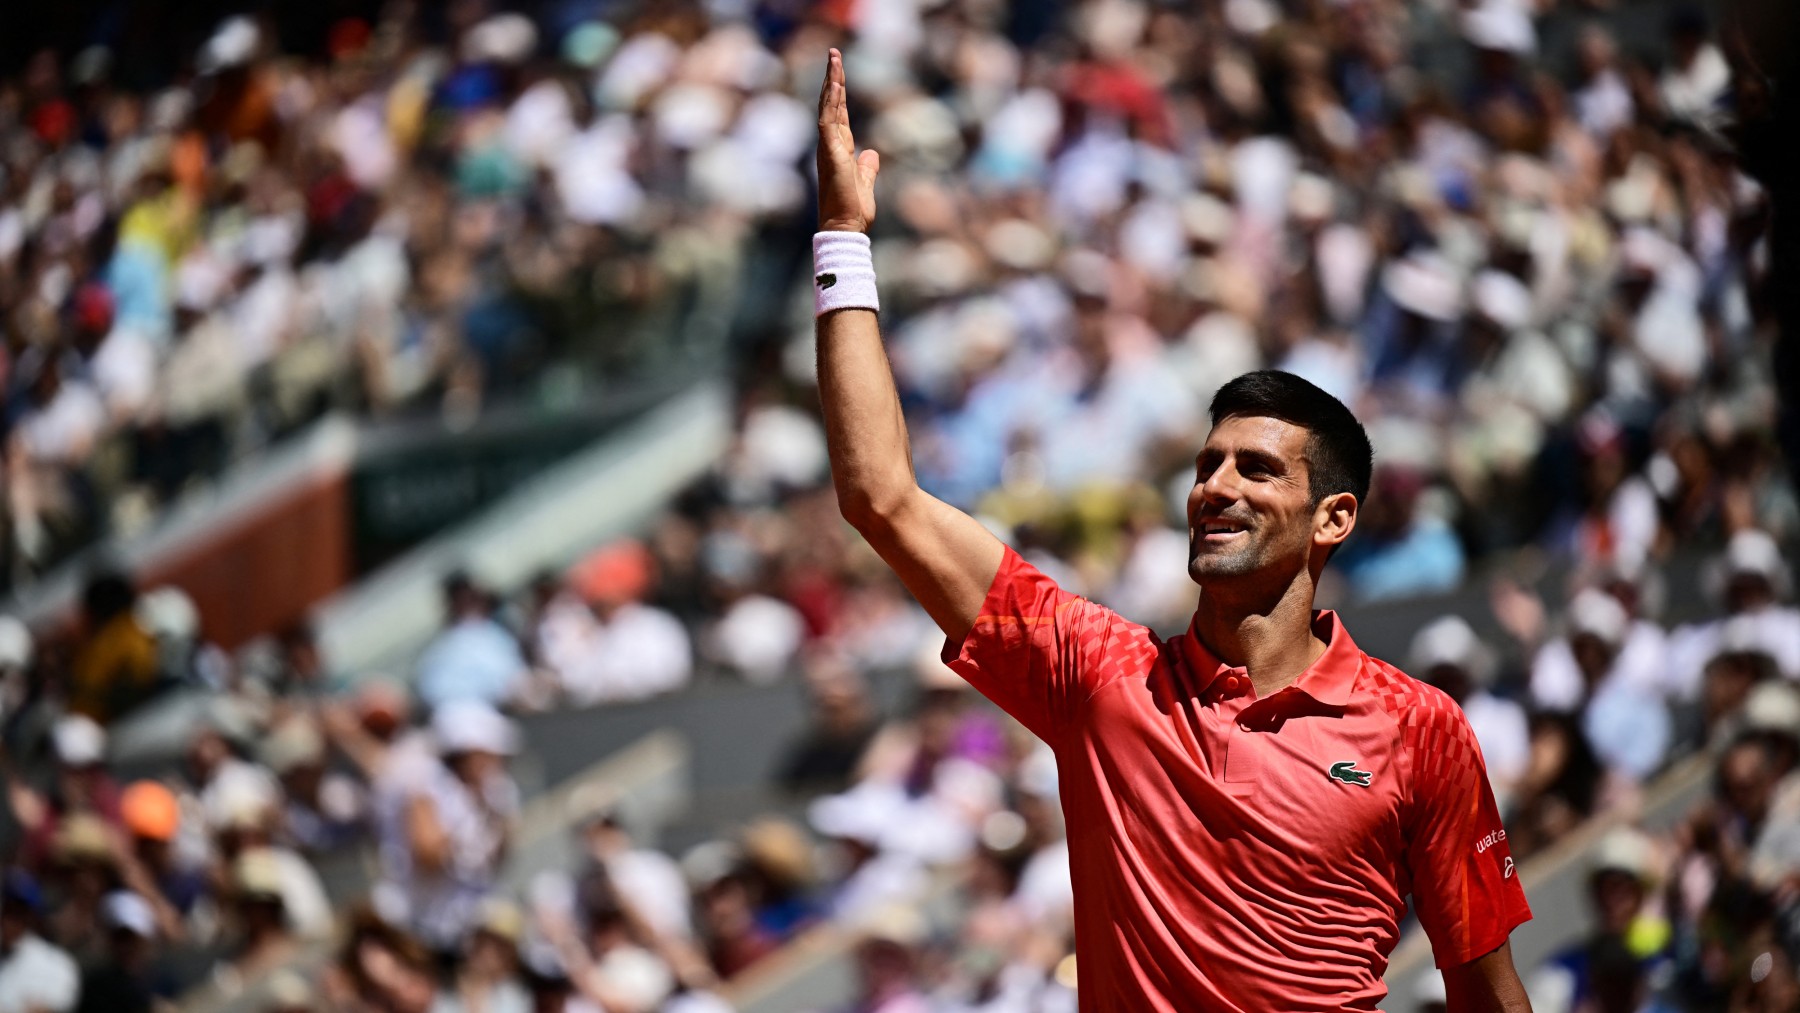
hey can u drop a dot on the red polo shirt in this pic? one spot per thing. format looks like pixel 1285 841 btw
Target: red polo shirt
pixel 1234 853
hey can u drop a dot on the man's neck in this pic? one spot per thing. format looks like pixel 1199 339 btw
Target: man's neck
pixel 1267 632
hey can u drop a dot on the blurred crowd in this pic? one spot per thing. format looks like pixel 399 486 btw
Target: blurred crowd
pixel 1518 246
pixel 440 208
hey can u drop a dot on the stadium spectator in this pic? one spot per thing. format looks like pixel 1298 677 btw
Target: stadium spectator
pixel 176 880
pixel 80 785
pixel 842 723
pixel 34 975
pixel 1755 581
pixel 646 880
pixel 445 826
pixel 887 963
pixel 1448 654
pixel 125 980
pixel 1621 882
pixel 487 975
pixel 1402 552
pixel 117 665
pixel 323 810
pixel 474 658
pixel 1624 720
pixel 600 638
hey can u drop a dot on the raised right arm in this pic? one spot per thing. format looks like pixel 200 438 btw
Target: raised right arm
pixel 942 555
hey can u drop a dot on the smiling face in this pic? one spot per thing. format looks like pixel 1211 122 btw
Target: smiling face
pixel 1252 510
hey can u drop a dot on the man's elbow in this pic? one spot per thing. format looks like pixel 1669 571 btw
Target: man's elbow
pixel 872 512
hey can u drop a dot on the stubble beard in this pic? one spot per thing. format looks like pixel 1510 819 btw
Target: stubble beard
pixel 1241 561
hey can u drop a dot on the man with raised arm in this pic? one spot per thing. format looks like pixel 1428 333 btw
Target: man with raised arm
pixel 1250 803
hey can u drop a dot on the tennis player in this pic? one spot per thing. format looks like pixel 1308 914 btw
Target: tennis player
pixel 1249 804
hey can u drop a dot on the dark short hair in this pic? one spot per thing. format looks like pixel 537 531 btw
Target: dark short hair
pixel 1338 455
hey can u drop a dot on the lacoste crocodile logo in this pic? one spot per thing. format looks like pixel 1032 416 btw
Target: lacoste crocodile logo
pixel 1346 772
pixel 826 280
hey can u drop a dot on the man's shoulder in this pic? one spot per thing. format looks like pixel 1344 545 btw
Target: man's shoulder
pixel 1431 728
pixel 1418 708
pixel 1123 646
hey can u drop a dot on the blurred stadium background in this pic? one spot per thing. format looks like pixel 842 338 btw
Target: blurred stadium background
pixel 423 587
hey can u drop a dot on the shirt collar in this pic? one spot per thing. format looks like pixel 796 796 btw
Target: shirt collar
pixel 1328 679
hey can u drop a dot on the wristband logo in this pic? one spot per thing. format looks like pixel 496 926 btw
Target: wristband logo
pixel 826 280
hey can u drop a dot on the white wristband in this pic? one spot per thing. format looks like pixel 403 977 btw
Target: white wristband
pixel 843 273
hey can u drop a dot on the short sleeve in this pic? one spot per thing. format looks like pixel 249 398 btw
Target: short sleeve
pixel 1037 651
pixel 1465 887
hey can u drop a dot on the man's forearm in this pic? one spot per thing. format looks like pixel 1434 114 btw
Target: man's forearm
pixel 865 430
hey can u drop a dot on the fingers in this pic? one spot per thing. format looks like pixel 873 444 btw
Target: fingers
pixel 833 75
pixel 834 111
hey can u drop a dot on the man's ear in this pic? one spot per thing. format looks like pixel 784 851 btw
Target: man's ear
pixel 1333 519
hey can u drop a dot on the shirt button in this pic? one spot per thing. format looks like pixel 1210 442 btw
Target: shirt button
pixel 1233 683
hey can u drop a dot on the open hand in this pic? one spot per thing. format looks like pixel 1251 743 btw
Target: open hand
pixel 846 179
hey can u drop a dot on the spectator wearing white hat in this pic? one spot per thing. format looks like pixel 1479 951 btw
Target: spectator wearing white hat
pixel 1740 665
pixel 79 784
pixel 1449 654
pixel 1622 874
pixel 245 835
pixel 858 823
pixel 322 809
pixel 442 845
pixel 1627 724
pixel 125 982
pixel 1642 661
pixel 1755 582
pixel 1771 715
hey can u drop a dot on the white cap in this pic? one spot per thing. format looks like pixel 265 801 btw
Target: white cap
pixel 506 38
pixel 169 614
pixel 1020 245
pixel 1773 706
pixel 1207 218
pixel 1312 197
pixel 233 43
pixel 15 643
pixel 1624 849
pixel 1503 299
pixel 1742 635
pixel 1598 614
pixel 1501 26
pixel 1425 284
pixel 123 909
pixel 865 813
pixel 899 924
pixel 468 726
pixel 1451 641
pixel 1754 552
pixel 78 741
